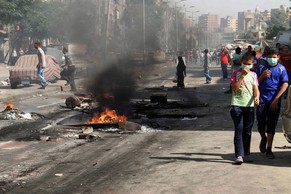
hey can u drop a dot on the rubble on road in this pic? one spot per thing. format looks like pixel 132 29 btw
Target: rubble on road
pixel 5 82
pixel 10 113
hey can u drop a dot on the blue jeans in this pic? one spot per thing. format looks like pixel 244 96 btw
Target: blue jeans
pixel 206 74
pixel 224 70
pixel 267 118
pixel 40 74
pixel 243 119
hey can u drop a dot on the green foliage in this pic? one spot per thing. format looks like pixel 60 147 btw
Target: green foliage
pixel 13 11
pixel 33 16
pixel 279 22
pixel 273 30
pixel 280 19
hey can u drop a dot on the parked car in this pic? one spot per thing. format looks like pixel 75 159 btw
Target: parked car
pixel 25 71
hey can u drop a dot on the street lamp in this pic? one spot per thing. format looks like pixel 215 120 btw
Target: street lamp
pixel 177 31
pixel 187 35
pixel 107 30
pixel 192 24
pixel 144 35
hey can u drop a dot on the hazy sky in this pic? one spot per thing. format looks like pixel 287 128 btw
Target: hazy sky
pixel 231 7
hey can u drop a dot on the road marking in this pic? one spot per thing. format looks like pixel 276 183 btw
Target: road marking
pixel 47 105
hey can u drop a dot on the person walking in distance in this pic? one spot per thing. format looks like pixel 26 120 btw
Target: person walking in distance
pixel 245 95
pixel 41 65
pixel 273 82
pixel 236 64
pixel 68 72
pixel 285 58
pixel 224 62
pixel 206 66
pixel 181 72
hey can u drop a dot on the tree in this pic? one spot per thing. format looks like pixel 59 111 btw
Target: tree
pixel 33 16
pixel 13 11
pixel 273 31
pixel 279 22
pixel 280 18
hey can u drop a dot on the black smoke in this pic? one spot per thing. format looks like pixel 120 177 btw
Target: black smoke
pixel 113 87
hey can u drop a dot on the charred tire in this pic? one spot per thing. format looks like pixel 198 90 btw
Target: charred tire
pixel 13 85
pixel 72 102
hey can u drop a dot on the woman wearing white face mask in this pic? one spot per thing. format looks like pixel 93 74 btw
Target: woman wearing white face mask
pixel 273 82
pixel 245 95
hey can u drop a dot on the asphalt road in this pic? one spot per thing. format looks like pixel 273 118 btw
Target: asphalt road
pixel 189 155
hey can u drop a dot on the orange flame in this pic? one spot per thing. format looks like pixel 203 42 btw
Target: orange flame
pixel 108 116
pixel 8 106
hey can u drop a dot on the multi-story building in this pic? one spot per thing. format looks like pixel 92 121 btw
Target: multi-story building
pixel 208 22
pixel 265 15
pixel 245 21
pixel 229 23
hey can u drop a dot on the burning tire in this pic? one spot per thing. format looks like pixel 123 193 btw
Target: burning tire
pixel 72 102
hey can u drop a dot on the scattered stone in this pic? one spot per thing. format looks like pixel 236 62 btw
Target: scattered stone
pixel 88 137
pixel 25 116
pixel 129 126
pixel 4 83
pixel 87 129
pixel 55 139
pixel 44 138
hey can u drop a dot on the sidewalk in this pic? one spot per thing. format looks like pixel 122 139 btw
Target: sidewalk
pixel 7 94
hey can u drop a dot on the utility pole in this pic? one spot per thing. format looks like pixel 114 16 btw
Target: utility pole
pixel 167 27
pixel 144 35
pixel 177 29
pixel 177 36
pixel 107 31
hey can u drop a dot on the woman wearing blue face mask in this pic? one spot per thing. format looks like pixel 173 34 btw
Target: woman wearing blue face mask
pixel 273 82
pixel 245 95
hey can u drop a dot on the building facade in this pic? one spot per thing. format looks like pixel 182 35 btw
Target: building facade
pixel 229 23
pixel 209 22
pixel 245 21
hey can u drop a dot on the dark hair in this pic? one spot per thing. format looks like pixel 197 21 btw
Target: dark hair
pixel 238 50
pixel 37 43
pixel 266 50
pixel 247 56
pixel 206 51
pixel 278 44
pixel 254 53
pixel 65 49
pixel 273 51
